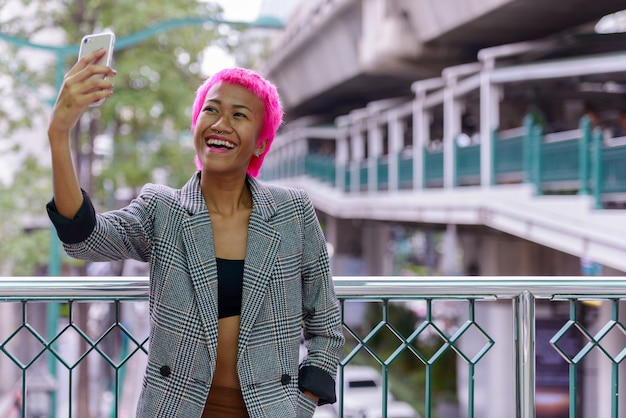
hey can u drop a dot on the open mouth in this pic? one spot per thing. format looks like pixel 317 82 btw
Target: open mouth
pixel 219 144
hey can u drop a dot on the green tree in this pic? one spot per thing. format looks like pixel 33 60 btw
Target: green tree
pixel 146 121
pixel 25 237
pixel 154 90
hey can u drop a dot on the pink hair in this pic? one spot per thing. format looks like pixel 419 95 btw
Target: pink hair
pixel 261 88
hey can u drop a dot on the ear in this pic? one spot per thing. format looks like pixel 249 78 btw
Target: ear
pixel 260 147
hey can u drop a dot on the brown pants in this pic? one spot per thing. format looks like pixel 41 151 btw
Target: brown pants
pixel 225 402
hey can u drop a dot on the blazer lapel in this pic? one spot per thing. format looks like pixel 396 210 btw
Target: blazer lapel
pixel 261 252
pixel 197 237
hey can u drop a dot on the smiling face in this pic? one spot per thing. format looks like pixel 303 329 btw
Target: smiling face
pixel 227 129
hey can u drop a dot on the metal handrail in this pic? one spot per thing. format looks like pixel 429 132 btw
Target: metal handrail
pixel 523 291
pixel 502 287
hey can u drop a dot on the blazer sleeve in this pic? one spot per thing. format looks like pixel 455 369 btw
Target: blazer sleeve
pixel 322 321
pixel 114 235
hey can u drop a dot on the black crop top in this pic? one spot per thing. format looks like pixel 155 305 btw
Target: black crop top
pixel 229 287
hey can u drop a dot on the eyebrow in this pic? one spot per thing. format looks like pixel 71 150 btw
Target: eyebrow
pixel 237 106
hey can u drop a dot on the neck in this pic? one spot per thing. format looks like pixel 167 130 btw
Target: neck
pixel 225 196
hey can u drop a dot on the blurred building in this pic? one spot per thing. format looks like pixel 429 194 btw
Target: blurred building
pixel 399 115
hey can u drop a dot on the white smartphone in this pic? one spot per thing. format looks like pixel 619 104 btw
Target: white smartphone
pixel 94 42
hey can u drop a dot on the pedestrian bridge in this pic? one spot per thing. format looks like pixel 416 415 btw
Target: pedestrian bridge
pixel 500 140
pixel 556 189
pixel 336 55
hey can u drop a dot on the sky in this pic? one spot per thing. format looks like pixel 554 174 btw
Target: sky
pixel 216 58
pixel 240 9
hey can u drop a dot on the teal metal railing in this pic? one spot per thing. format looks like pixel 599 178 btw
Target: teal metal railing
pixel 433 168
pixel 405 171
pixel 467 164
pixel 383 342
pixel 572 162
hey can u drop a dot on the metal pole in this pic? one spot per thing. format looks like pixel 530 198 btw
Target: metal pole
pixel 598 175
pixel 524 307
pixel 583 155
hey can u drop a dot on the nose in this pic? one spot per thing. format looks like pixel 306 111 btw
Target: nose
pixel 221 125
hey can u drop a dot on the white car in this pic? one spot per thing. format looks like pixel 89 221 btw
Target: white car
pixel 363 397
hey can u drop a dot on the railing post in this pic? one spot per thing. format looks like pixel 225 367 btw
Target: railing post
pixel 527 149
pixel 597 168
pixel 583 153
pixel 537 145
pixel 494 156
pixel 524 318
pixel 455 162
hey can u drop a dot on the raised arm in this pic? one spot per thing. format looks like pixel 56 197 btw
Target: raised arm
pixel 79 89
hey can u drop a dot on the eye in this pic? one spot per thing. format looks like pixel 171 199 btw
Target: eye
pixel 240 115
pixel 209 109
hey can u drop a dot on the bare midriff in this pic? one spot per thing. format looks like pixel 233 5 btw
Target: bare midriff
pixel 226 366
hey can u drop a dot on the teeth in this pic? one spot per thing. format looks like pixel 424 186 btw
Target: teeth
pixel 219 142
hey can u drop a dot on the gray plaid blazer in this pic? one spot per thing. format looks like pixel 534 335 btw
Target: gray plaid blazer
pixel 287 287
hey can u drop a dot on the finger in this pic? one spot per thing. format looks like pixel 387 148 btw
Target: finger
pixel 77 95
pixel 93 57
pixel 93 83
pixel 82 93
pixel 86 61
pixel 91 71
pixel 97 96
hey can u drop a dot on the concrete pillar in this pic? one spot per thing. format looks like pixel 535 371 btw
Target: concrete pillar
pixel 489 120
pixel 506 255
pixel 376 254
pixel 348 259
pixel 342 155
pixel 396 142
pixel 451 128
pixel 357 149
pixel 450 257
pixel 375 150
pixel 470 250
pixel 499 254
pixel 421 127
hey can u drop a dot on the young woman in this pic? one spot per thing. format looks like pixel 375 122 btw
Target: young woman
pixel 238 269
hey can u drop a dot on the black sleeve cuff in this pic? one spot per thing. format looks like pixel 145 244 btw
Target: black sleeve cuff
pixel 73 231
pixel 319 383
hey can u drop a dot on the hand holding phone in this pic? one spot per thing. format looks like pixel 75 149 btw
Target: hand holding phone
pixel 94 42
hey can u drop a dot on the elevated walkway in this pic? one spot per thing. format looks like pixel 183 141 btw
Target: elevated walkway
pixel 337 54
pixel 566 223
pixel 558 180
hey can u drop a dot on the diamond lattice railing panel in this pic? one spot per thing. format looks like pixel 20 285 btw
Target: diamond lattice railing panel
pixel 427 339
pixel 429 334
pixel 23 346
pixel 474 340
pixel 70 345
pixel 568 332
pixel 117 345
pixel 612 341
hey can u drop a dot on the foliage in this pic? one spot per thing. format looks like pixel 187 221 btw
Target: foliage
pixel 141 130
pixel 154 88
pixel 24 238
